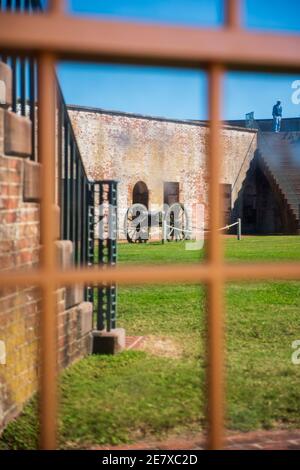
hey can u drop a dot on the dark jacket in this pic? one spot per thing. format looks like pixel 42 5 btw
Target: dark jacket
pixel 277 110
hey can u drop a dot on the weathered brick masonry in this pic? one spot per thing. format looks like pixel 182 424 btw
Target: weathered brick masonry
pixel 20 308
pixel 131 148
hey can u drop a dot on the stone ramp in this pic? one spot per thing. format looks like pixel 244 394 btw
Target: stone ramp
pixel 255 440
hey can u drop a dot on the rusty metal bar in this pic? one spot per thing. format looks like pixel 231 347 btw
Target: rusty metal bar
pixel 215 395
pixel 215 368
pixel 140 274
pixel 233 13
pixel 125 42
pixel 215 253
pixel 56 7
pixel 46 140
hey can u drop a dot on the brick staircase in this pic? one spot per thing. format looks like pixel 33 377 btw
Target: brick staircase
pixel 280 161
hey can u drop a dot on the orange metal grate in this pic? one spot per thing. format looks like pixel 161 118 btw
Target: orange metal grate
pixel 57 36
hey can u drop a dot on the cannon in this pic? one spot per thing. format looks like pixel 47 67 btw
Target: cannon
pixel 138 223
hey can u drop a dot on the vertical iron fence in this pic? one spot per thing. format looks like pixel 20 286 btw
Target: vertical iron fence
pixel 88 216
pixel 79 199
pixel 74 186
pixel 102 248
pixel 24 72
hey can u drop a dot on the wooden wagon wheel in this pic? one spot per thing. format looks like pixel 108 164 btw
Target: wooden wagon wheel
pixel 176 222
pixel 136 226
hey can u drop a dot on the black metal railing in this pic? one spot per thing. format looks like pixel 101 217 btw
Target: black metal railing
pixel 102 248
pixel 24 71
pixel 88 216
pixel 74 186
pixel 85 206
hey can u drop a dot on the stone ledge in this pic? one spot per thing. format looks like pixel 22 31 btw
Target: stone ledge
pixel 32 189
pixel 5 85
pixel 74 295
pixel 85 311
pixel 2 113
pixel 108 342
pixel 64 253
pixel 57 222
pixel 17 135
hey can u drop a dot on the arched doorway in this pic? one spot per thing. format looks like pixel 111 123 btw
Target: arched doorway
pixel 140 194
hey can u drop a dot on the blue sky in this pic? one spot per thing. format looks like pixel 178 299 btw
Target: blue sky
pixel 179 93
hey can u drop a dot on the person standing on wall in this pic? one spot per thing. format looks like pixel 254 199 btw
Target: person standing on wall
pixel 277 116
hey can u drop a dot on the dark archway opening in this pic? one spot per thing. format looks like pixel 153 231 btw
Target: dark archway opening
pixel 258 205
pixel 140 194
pixel 171 193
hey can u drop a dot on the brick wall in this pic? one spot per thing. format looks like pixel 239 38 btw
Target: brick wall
pixel 20 308
pixel 131 148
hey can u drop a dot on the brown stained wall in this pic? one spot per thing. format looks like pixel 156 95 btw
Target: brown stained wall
pixel 20 308
pixel 130 148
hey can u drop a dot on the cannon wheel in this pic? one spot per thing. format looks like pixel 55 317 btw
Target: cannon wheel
pixel 177 222
pixel 136 233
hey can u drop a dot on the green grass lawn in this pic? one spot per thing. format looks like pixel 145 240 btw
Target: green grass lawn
pixel 138 394
pixel 273 248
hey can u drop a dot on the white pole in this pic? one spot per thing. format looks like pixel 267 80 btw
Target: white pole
pixel 239 229
pixel 164 231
